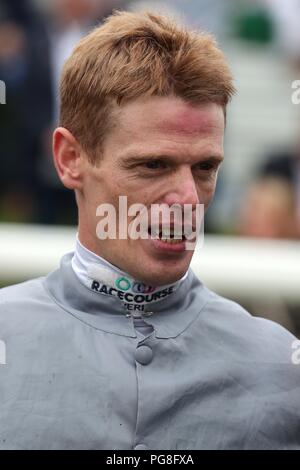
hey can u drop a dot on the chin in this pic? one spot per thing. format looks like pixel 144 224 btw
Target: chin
pixel 163 276
pixel 170 279
pixel 158 270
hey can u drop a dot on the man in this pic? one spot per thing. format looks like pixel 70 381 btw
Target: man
pixel 122 347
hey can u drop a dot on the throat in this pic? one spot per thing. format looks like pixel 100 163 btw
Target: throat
pixel 103 278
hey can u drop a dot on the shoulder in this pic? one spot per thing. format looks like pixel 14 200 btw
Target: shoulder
pixel 20 304
pixel 252 338
pixel 260 365
pixel 25 291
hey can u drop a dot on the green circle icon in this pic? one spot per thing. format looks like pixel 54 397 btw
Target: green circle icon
pixel 123 283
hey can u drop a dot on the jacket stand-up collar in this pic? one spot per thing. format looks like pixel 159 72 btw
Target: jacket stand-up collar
pixel 169 316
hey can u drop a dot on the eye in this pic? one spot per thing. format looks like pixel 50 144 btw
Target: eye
pixel 154 164
pixel 208 166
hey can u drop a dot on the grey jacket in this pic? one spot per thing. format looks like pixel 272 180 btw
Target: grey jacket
pixel 77 375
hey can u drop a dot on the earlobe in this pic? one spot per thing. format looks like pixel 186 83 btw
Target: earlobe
pixel 67 158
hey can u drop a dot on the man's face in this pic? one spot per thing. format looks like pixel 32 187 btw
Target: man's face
pixel 163 150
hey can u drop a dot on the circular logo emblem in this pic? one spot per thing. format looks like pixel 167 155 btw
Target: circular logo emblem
pixel 141 288
pixel 123 284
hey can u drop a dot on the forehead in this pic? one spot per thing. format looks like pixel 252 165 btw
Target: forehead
pixel 166 125
pixel 171 115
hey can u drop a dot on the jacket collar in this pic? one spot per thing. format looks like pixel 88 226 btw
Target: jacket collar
pixel 169 316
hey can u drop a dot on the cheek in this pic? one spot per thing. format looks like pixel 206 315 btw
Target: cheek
pixel 140 194
pixel 206 191
pixel 100 191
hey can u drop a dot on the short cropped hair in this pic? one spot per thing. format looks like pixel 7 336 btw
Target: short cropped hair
pixel 133 55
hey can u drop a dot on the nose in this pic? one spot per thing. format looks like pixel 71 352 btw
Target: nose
pixel 182 188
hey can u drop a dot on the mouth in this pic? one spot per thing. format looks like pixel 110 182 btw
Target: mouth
pixel 167 235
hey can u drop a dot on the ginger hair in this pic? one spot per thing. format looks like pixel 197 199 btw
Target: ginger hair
pixel 133 55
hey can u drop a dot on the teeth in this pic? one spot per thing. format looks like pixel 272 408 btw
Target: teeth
pixel 166 232
pixel 178 234
pixel 172 234
pixel 171 241
pixel 155 231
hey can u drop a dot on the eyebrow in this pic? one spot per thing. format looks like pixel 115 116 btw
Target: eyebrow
pixel 132 160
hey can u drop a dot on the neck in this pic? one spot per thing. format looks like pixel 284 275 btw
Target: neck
pixel 100 276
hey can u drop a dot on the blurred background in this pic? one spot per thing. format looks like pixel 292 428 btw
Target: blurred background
pixel 252 248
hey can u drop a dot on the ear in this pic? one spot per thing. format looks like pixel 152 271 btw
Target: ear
pixel 67 155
